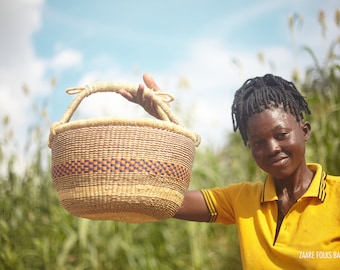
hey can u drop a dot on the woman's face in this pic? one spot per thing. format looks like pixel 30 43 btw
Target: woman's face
pixel 277 141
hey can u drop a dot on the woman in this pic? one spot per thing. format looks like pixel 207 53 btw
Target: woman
pixel 292 219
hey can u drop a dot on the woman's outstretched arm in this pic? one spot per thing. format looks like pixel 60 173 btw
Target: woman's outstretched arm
pixel 193 207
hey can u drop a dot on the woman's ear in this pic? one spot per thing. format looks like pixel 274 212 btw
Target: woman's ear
pixel 307 129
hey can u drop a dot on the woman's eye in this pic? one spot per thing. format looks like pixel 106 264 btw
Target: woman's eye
pixel 282 135
pixel 255 143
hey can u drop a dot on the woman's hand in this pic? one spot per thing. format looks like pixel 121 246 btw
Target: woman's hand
pixel 144 100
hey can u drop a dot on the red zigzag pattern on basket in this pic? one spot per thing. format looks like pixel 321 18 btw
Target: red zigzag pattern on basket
pixel 120 165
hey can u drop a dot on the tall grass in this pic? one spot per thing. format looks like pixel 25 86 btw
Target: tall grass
pixel 322 87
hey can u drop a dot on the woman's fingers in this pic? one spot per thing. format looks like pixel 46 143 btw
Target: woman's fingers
pixel 140 95
pixel 144 99
pixel 150 82
pixel 129 96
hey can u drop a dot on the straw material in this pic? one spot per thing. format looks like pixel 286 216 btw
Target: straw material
pixel 121 169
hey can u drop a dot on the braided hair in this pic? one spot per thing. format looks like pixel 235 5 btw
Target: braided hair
pixel 261 93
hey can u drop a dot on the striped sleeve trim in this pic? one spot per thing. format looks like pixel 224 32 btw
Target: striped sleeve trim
pixel 210 204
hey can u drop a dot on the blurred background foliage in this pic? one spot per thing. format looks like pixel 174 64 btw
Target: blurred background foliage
pixel 37 233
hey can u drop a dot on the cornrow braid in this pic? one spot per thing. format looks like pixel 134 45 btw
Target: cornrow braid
pixel 261 93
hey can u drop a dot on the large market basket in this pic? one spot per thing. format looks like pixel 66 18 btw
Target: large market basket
pixel 131 170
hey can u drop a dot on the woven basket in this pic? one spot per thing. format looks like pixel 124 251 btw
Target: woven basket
pixel 131 170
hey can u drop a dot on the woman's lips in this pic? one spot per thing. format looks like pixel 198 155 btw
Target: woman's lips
pixel 278 161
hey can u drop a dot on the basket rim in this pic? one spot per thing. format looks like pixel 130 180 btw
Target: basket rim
pixel 59 127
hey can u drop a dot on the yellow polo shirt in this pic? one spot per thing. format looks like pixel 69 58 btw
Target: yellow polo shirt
pixel 309 237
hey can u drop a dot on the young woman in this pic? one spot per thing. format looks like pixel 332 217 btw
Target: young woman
pixel 292 219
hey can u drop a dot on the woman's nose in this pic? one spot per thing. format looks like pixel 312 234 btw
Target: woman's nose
pixel 273 146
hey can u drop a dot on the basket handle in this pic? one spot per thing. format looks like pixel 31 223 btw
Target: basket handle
pixel 159 98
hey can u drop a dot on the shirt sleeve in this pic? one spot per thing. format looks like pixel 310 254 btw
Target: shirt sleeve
pixel 220 204
pixel 227 204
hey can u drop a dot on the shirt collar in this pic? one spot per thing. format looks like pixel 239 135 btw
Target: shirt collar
pixel 316 189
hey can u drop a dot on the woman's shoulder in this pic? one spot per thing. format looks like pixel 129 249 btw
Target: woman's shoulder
pixel 241 187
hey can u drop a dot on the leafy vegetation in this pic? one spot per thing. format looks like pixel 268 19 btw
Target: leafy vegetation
pixel 37 233
pixel 322 87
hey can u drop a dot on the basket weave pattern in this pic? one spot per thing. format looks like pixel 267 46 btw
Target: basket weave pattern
pixel 121 169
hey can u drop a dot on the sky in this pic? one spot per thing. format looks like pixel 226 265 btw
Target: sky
pixel 199 51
